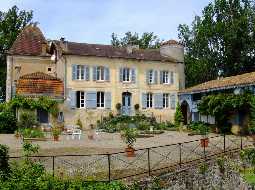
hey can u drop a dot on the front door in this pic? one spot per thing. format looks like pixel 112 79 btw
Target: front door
pixel 126 103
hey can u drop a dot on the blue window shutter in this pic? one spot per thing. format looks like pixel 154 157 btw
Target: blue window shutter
pixel 148 76
pixel 121 74
pixel 161 77
pixel 74 72
pixel 133 75
pixel 107 73
pixel 172 77
pixel 87 74
pixel 172 101
pixel 91 100
pixel 108 100
pixel 144 100
pixel 155 77
pixel 72 97
pixel 158 101
pixel 94 73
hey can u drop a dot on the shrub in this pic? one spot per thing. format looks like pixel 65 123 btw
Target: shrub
pixel 27 120
pixel 178 117
pixel 199 128
pixel 136 106
pixel 79 123
pixel 8 122
pixel 118 106
pixel 32 133
pixel 4 165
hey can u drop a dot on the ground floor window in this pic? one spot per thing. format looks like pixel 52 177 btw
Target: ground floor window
pixel 149 100
pixel 165 100
pixel 42 116
pixel 80 99
pixel 100 99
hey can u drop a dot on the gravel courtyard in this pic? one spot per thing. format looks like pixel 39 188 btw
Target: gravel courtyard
pixel 96 166
pixel 103 142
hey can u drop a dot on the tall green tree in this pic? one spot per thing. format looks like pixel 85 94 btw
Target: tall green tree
pixel 11 23
pixel 222 38
pixel 146 41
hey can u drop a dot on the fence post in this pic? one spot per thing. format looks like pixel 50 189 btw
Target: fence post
pixel 224 143
pixel 204 151
pixel 149 163
pixel 241 142
pixel 180 154
pixel 53 165
pixel 109 167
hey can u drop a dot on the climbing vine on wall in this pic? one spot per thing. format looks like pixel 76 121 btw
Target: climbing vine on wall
pixel 42 102
pixel 220 105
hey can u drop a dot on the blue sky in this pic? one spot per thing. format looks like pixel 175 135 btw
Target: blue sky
pixel 93 21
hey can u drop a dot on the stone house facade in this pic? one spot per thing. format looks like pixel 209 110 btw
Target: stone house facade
pixel 96 77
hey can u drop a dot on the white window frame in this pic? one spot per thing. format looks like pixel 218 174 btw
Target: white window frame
pixel 149 100
pixel 166 100
pixel 126 74
pixel 165 77
pixel 80 72
pixel 100 99
pixel 100 73
pixel 151 76
pixel 82 99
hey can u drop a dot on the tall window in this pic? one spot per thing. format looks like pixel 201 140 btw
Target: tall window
pixel 100 73
pixel 151 76
pixel 173 101
pixel 165 100
pixel 165 77
pixel 100 100
pixel 80 72
pixel 126 75
pixel 149 100
pixel 80 99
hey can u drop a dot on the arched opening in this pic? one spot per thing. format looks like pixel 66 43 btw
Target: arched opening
pixel 186 112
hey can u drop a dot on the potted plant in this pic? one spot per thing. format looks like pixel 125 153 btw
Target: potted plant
pixel 17 134
pixel 203 130
pixel 129 137
pixel 55 133
pixel 91 132
pixel 118 108
pixel 136 106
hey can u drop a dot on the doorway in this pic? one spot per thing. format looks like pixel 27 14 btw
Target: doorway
pixel 126 103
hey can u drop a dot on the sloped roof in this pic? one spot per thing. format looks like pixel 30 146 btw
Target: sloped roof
pixel 28 42
pixel 39 75
pixel 37 84
pixel 227 82
pixel 99 50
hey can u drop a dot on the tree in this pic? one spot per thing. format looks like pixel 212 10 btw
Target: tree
pixel 222 38
pixel 11 23
pixel 147 41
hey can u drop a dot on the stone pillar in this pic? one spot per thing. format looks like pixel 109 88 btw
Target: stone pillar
pixel 9 78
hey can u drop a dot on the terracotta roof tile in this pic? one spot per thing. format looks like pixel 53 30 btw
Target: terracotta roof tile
pixel 227 82
pixel 28 42
pixel 36 84
pixel 39 75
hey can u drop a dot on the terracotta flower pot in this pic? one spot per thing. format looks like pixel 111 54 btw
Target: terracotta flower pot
pixel 204 142
pixel 130 152
pixel 56 138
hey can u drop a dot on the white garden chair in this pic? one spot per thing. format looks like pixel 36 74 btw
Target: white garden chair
pixel 76 132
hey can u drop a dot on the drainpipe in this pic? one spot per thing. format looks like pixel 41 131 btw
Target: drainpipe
pixel 65 77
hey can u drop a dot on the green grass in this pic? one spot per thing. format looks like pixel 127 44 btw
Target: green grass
pixel 249 176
